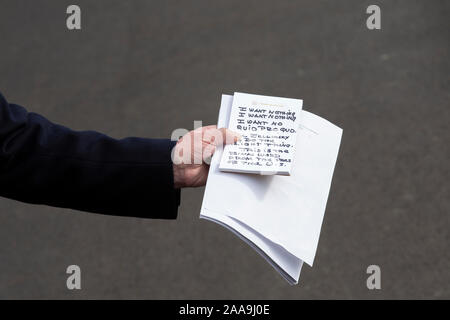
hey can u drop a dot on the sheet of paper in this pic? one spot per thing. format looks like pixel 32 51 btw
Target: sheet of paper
pixel 268 126
pixel 288 210
pixel 284 262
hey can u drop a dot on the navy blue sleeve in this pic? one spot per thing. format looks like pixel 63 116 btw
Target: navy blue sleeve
pixel 45 163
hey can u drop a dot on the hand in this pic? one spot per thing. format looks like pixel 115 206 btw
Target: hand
pixel 193 152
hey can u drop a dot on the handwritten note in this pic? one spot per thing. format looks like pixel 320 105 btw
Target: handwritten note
pixel 268 126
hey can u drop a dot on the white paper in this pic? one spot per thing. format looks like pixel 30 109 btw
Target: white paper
pixel 280 215
pixel 285 263
pixel 268 126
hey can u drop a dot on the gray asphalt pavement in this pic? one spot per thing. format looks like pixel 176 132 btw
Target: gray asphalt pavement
pixel 145 68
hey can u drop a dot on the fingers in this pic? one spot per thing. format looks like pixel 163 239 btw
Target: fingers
pixel 230 136
pixel 201 143
pixel 220 136
pixel 208 152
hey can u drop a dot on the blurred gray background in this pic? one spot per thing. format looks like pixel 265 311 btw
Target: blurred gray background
pixel 145 68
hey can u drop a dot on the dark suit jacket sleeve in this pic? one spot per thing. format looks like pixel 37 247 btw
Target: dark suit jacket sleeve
pixel 45 163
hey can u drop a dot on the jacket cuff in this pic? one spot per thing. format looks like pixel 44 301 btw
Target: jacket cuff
pixel 168 198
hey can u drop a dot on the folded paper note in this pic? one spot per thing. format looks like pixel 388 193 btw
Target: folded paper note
pixel 268 126
pixel 279 216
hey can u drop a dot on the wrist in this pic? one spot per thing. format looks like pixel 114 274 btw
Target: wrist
pixel 178 176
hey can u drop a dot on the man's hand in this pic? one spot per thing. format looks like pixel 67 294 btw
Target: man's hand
pixel 193 152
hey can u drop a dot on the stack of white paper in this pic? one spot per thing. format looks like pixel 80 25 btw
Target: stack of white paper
pixel 279 216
